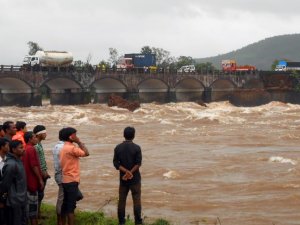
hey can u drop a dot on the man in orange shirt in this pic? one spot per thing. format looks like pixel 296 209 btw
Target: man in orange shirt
pixel 69 161
pixel 21 130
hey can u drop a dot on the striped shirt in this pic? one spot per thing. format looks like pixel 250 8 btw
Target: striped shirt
pixel 41 155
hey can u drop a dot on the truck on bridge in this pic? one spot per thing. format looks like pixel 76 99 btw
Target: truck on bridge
pixel 287 66
pixel 47 59
pixel 137 61
pixel 230 65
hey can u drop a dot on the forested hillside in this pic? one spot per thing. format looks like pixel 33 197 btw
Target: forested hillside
pixel 262 53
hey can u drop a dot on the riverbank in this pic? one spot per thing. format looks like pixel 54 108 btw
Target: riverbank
pixel 89 218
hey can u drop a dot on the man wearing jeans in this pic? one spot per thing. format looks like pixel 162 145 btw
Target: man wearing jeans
pixel 128 159
pixel 69 162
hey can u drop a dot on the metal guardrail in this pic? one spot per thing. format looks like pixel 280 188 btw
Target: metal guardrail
pixel 9 68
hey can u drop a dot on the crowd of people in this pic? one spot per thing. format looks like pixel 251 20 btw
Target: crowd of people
pixel 24 173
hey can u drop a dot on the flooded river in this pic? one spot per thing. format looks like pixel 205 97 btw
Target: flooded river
pixel 200 164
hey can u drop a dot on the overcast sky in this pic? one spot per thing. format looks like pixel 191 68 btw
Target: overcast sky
pixel 197 28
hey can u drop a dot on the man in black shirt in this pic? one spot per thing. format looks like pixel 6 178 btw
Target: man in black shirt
pixel 128 159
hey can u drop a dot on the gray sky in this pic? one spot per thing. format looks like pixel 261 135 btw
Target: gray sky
pixel 197 28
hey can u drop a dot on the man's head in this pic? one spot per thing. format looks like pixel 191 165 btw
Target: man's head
pixel 129 133
pixel 30 138
pixel 61 134
pixel 40 132
pixel 16 148
pixel 4 146
pixel 9 128
pixel 67 133
pixel 21 126
pixel 1 131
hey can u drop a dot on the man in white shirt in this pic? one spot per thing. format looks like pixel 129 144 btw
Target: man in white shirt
pixel 58 175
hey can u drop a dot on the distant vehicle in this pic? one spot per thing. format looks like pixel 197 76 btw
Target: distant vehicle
pixel 230 65
pixel 48 59
pixel 137 61
pixel 187 69
pixel 287 66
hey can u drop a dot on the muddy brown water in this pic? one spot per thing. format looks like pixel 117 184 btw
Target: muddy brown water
pixel 236 164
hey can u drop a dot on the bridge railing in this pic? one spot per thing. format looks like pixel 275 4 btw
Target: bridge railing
pixel 9 68
pixel 100 72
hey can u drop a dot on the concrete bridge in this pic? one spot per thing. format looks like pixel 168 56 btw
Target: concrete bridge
pixel 24 88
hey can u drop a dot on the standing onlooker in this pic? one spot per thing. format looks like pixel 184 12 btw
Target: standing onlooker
pixel 69 161
pixel 9 129
pixel 58 175
pixel 34 176
pixel 1 131
pixel 14 184
pixel 4 148
pixel 21 129
pixel 41 134
pixel 128 159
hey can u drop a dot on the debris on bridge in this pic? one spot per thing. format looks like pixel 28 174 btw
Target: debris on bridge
pixel 115 100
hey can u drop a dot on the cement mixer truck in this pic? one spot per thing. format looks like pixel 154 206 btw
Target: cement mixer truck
pixel 48 59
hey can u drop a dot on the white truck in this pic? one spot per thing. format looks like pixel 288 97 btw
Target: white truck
pixel 48 59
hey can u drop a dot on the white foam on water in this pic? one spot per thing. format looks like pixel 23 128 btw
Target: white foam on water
pixel 113 117
pixel 164 121
pixel 172 132
pixel 171 174
pixel 192 129
pixel 280 159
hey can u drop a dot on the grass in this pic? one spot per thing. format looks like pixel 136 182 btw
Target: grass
pixel 89 218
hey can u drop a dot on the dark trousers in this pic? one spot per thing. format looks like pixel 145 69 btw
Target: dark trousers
pixel 136 197
pixel 17 215
pixel 70 197
pixel 3 215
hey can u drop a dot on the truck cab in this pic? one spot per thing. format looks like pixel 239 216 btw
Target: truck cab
pixel 187 69
pixel 124 64
pixel 31 62
pixel 281 66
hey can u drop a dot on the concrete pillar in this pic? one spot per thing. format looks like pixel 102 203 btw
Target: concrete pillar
pixel 207 94
pixel 172 95
pixel 36 97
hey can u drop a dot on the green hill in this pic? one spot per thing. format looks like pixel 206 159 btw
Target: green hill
pixel 262 53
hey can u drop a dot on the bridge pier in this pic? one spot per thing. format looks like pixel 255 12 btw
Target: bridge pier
pixel 69 97
pixel 36 97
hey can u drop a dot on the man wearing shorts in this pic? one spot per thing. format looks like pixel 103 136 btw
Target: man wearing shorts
pixel 69 161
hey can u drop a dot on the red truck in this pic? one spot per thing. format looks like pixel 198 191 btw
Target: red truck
pixel 229 65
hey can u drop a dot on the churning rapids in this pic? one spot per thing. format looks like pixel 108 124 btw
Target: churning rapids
pixel 239 165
